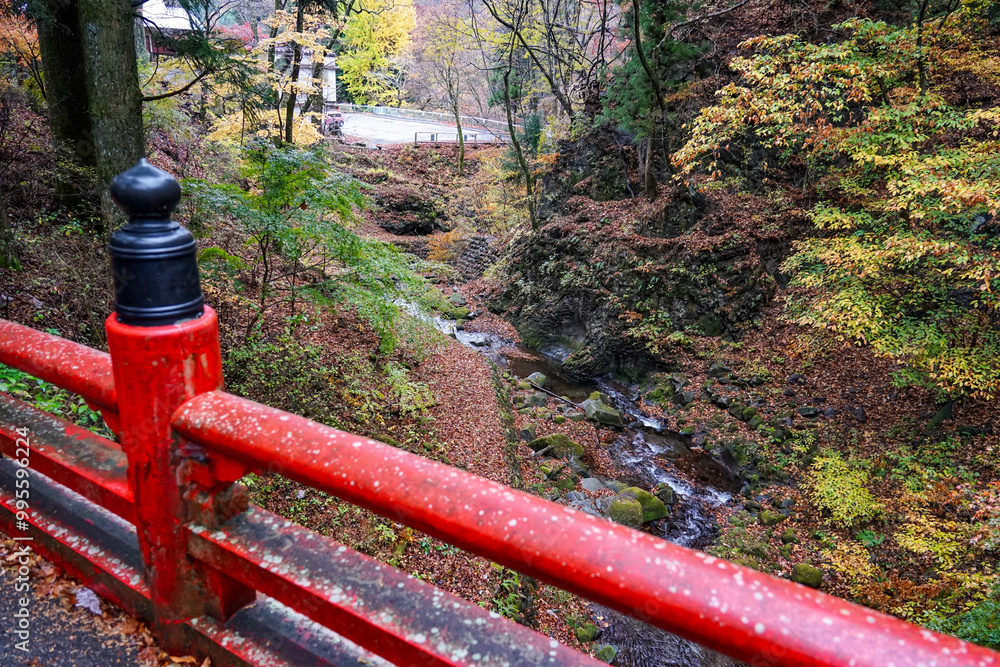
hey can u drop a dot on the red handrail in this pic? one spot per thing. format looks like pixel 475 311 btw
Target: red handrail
pixel 187 441
pixel 74 367
pixel 746 614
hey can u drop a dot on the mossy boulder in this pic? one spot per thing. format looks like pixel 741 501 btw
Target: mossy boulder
pixel 527 431
pixel 561 445
pixel 807 575
pixel 586 633
pixel 652 507
pixel 566 484
pixel 770 518
pixel 538 379
pixel 605 653
pixel 596 410
pixel 626 510
pixel 788 537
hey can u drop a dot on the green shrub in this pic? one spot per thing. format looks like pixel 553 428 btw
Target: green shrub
pixel 839 488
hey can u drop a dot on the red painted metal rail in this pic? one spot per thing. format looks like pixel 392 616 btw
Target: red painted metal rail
pixel 224 579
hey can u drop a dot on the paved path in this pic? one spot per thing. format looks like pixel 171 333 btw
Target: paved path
pixel 378 130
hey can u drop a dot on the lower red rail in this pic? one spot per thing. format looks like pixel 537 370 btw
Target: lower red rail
pixel 751 616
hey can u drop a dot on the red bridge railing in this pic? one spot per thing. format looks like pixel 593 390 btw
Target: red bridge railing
pixel 159 524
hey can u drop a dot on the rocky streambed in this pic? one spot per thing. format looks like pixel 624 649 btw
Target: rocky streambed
pixel 669 487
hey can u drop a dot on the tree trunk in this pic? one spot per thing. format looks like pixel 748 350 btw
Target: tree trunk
pixel 525 170
pixel 113 96
pixel 296 57
pixel 92 88
pixel 649 169
pixel 61 46
pixel 461 140
pixel 8 258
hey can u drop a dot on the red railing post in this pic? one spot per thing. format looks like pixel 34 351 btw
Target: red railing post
pixel 164 351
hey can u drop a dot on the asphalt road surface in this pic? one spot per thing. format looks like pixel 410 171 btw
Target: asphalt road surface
pixel 377 130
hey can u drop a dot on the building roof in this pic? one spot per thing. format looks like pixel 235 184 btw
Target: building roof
pixel 166 14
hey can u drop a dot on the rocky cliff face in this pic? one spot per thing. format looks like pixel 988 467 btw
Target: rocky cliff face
pixel 600 291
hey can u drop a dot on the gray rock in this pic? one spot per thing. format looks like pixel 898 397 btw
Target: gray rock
pixel 528 432
pixel 575 416
pixel 591 484
pixel 537 378
pixel 808 411
pixel 575 495
pixel 718 369
pixel 457 299
pixel 597 411
pixel 616 486
pixel 796 378
pixel 684 397
pixel 538 399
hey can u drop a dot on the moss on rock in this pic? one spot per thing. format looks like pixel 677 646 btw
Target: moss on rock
pixel 652 507
pixel 626 510
pixel 561 445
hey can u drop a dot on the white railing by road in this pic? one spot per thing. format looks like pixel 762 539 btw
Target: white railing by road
pixel 495 126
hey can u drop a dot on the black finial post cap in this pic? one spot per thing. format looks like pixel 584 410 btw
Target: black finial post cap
pixel 153 259
pixel 146 192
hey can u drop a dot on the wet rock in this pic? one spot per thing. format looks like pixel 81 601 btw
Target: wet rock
pixel 786 503
pixel 752 506
pixel 627 511
pixel 768 518
pixel 796 378
pixel 666 494
pixel 586 633
pixel 858 413
pixel 829 412
pixel 970 430
pixel 560 444
pixel 538 379
pixel 591 484
pixel 653 508
pixel 790 393
pixel 528 432
pixel 807 575
pixel 808 412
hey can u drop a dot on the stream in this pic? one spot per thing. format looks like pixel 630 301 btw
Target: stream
pixel 652 454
